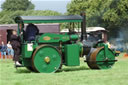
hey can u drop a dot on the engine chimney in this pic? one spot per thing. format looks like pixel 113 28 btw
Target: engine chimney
pixel 83 27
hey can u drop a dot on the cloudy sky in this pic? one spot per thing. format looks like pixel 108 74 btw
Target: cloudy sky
pixel 56 5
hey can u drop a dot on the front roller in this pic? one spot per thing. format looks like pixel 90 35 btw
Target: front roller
pixel 46 59
pixel 101 58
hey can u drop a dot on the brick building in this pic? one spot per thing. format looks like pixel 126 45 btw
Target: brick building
pixel 6 30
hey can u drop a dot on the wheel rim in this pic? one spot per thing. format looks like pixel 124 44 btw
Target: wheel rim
pixel 97 60
pixel 46 59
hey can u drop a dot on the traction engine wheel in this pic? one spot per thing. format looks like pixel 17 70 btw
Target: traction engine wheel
pixel 46 59
pixel 97 59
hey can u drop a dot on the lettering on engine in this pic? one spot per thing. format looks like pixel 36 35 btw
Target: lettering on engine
pixel 46 38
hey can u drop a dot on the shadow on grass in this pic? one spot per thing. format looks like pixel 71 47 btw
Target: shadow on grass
pixel 69 69
pixel 22 71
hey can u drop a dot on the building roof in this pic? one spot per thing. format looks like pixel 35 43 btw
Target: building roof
pixel 14 26
pixel 88 29
pixel 48 19
pixel 93 29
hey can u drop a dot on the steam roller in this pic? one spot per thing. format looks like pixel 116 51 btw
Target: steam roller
pixel 47 52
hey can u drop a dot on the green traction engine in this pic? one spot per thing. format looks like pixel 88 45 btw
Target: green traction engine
pixel 49 51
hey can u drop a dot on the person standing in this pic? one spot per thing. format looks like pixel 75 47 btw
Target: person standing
pixel 0 51
pixel 16 45
pixel 3 51
pixel 10 50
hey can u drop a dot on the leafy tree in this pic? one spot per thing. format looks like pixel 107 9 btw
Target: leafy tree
pixel 13 5
pixel 111 14
pixel 7 17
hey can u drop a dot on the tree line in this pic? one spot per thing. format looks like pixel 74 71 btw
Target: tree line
pixel 7 17
pixel 13 8
pixel 110 14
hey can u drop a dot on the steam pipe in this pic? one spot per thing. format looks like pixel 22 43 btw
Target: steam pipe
pixel 83 27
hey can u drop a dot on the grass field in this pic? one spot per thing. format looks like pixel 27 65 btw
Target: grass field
pixel 80 75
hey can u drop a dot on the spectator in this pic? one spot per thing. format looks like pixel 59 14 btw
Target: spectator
pixel 0 48
pixel 16 45
pixel 0 51
pixel 3 51
pixel 31 32
pixel 10 50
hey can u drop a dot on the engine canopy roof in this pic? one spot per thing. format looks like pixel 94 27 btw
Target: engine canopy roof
pixel 48 19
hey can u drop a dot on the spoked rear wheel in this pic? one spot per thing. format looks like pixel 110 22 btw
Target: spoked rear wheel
pixel 98 60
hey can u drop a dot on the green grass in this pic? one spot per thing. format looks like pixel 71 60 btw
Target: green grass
pixel 80 75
